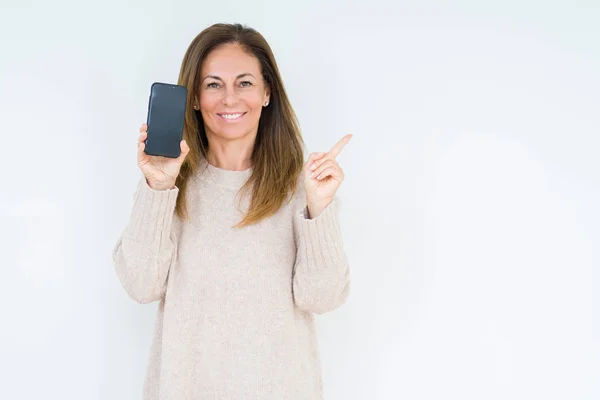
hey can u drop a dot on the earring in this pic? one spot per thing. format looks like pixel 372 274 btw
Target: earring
pixel 195 107
pixel 266 103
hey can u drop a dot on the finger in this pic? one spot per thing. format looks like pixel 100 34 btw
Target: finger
pixel 143 127
pixel 317 163
pixel 315 156
pixel 140 148
pixel 312 157
pixel 334 172
pixel 142 138
pixel 327 163
pixel 339 146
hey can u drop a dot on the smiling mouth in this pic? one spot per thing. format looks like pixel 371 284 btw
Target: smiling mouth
pixel 231 116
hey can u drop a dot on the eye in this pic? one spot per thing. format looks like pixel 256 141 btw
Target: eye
pixel 212 83
pixel 248 84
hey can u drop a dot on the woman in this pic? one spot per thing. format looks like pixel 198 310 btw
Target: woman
pixel 237 238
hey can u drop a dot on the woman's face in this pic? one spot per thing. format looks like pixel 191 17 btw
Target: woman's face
pixel 232 93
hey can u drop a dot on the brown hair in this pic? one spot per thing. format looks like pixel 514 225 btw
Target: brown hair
pixel 278 155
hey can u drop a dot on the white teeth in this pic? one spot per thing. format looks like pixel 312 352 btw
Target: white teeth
pixel 231 116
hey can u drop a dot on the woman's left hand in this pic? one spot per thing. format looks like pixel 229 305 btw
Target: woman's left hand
pixel 322 177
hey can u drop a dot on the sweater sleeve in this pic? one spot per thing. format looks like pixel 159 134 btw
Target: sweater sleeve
pixel 147 247
pixel 321 279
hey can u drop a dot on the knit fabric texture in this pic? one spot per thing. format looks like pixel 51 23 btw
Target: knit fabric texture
pixel 235 318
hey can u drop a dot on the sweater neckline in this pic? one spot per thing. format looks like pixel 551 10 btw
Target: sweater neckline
pixel 223 177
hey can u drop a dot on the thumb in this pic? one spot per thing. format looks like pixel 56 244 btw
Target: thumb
pixel 185 149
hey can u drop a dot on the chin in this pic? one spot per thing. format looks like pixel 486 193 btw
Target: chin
pixel 233 133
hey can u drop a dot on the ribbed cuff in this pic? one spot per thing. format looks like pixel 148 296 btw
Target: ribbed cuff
pixel 152 212
pixel 320 237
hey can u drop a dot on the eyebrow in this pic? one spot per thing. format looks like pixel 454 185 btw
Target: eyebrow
pixel 238 77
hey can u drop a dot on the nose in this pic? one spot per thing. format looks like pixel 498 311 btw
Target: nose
pixel 231 96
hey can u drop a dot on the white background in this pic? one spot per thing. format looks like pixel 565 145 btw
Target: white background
pixel 470 207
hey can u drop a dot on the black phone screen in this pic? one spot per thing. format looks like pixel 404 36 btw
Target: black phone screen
pixel 166 114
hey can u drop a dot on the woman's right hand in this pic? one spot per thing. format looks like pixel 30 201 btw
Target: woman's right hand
pixel 160 172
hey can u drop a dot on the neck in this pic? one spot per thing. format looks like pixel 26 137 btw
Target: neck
pixel 234 155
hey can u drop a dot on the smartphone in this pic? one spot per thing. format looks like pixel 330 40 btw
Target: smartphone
pixel 166 113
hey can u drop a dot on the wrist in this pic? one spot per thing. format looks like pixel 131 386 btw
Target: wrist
pixel 316 208
pixel 154 186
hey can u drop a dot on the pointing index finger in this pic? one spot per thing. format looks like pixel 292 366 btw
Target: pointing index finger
pixel 339 146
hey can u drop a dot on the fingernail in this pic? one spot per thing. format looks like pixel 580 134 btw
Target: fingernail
pixel 313 166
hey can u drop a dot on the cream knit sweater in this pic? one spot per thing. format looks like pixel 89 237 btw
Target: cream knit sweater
pixel 235 317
